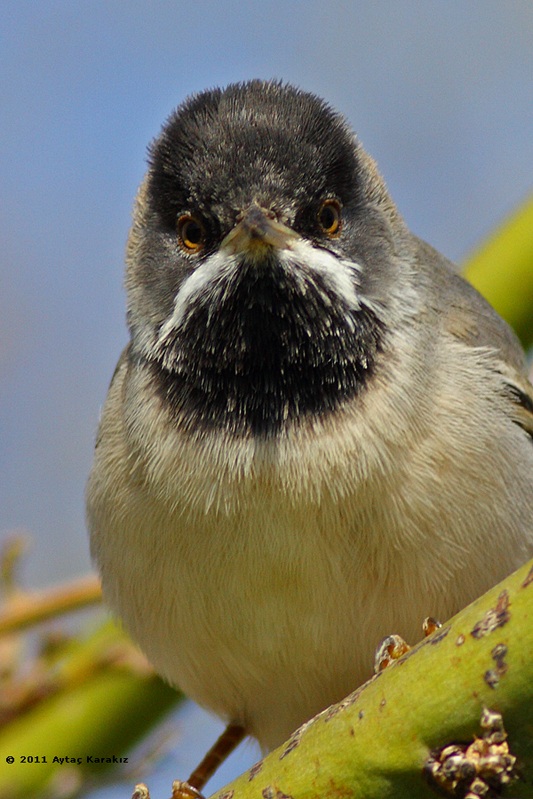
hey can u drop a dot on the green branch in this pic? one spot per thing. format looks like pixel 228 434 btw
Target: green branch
pixel 376 743
pixel 98 700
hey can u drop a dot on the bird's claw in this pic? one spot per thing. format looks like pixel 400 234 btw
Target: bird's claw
pixel 140 792
pixel 393 646
pixel 390 649
pixel 182 790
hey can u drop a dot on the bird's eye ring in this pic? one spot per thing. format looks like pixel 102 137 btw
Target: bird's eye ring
pixel 329 218
pixel 191 233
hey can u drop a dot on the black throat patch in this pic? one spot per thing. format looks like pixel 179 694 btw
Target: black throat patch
pixel 273 351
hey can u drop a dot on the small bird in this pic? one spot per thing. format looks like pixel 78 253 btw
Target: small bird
pixel 318 434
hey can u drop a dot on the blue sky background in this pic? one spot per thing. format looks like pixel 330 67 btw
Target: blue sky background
pixel 441 93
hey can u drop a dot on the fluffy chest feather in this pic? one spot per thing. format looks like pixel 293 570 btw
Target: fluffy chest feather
pixel 260 577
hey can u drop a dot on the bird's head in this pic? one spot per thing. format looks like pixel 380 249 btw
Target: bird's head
pixel 262 249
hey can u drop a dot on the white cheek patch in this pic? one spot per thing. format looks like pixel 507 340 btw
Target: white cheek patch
pixel 302 261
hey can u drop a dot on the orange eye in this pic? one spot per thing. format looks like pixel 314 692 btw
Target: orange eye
pixel 191 233
pixel 329 218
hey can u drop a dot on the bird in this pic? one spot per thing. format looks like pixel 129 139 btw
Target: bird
pixel 318 432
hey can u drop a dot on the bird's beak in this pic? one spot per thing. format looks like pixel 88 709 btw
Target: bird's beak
pixel 256 231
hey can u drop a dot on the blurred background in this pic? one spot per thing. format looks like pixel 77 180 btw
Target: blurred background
pixel 441 94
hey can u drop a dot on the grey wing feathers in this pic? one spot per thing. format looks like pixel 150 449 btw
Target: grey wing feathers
pixel 472 320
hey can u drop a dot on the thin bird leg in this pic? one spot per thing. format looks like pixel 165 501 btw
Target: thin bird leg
pixel 223 746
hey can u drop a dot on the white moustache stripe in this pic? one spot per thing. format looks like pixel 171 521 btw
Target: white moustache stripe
pixel 340 275
pixel 208 279
pixel 212 278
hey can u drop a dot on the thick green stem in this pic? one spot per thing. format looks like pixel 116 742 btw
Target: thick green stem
pixel 374 744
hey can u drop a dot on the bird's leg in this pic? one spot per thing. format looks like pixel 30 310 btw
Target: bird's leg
pixel 223 746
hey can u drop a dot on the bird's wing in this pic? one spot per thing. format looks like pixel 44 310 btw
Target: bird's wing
pixel 472 320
